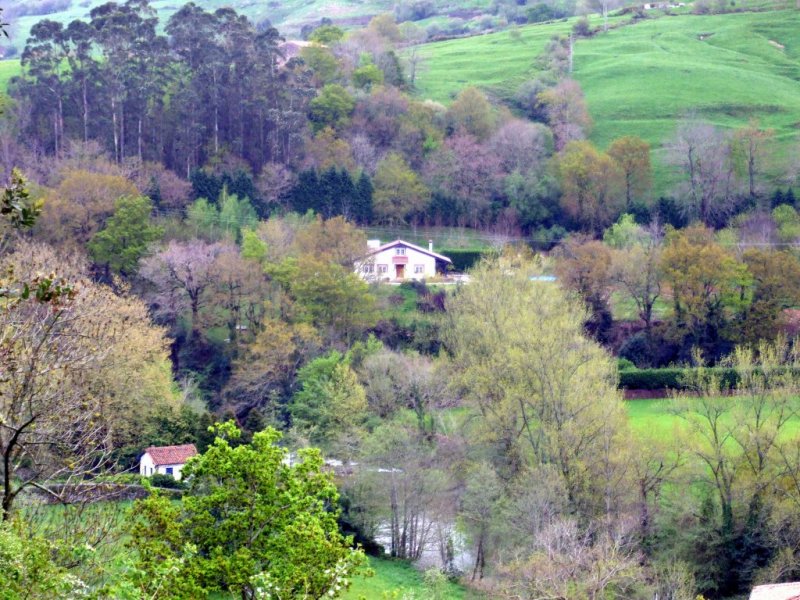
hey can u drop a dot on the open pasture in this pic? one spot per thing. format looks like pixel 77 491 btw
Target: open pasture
pixel 640 79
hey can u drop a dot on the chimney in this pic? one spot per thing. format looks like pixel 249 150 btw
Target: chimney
pixel 430 245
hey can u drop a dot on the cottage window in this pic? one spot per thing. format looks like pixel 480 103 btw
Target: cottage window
pixel 169 470
pixel 419 269
pixel 383 268
pixel 400 251
pixel 370 268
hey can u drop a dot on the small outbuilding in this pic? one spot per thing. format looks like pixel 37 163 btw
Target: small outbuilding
pixel 776 591
pixel 167 460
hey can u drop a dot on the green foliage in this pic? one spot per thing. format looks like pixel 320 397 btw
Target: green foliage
pixel 27 569
pixel 331 297
pixel 326 34
pixel 16 206
pixel 127 234
pixel 463 260
pixel 624 233
pixel 235 213
pixel 332 108
pixel 671 378
pixel 331 403
pixel 163 480
pixel 229 219
pixel 250 524
pixel 788 222
pixel 367 76
pixel 253 247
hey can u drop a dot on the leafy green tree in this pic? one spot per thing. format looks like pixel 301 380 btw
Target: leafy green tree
pixel 331 403
pixel 126 236
pixel 591 186
pixel 322 62
pixel 332 297
pixel 235 213
pixel 545 393
pixel 261 527
pixel 332 108
pixel 471 112
pixel 253 247
pixel 367 76
pixel 632 154
pixel 399 193
pixel 326 34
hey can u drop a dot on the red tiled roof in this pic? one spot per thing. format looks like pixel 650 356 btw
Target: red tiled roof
pixel 171 455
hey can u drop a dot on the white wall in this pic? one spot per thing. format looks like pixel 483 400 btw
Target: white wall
pixel 382 266
pixel 147 467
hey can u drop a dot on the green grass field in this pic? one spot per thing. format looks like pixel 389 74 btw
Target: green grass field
pixel 398 577
pixel 656 419
pixel 640 79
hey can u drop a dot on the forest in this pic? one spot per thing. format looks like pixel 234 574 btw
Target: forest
pixel 184 206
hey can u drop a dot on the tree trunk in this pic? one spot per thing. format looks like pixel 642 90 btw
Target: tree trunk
pixel 85 113
pixel 114 126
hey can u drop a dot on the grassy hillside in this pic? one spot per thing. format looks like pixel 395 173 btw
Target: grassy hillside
pixel 640 78
pixel 288 15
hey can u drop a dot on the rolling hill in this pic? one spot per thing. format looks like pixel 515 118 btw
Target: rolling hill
pixel 289 16
pixel 639 79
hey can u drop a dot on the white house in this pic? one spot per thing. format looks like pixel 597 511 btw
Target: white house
pixel 776 591
pixel 167 460
pixel 400 261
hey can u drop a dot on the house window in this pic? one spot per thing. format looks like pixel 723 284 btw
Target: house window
pixel 169 470
pixel 419 269
pixel 383 268
pixel 370 268
pixel 400 251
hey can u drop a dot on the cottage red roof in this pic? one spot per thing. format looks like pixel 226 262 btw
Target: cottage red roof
pixel 171 455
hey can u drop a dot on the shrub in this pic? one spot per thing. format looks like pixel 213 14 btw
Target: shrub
pixel 582 28
pixel 672 378
pixel 162 480
pixel 623 364
pixel 464 259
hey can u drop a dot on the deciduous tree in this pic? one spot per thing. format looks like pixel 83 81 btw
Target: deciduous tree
pixel 259 524
pixel 592 191
pixel 632 154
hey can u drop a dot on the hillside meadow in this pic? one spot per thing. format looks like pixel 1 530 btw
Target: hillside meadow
pixel 639 79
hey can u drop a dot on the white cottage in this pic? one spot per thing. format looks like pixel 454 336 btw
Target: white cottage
pixel 400 261
pixel 167 460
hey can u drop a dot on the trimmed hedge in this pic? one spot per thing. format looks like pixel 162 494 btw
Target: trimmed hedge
pixel 676 379
pixel 463 259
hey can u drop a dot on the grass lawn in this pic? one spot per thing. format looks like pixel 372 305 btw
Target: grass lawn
pixel 624 308
pixel 398 576
pixel 654 418
pixel 639 79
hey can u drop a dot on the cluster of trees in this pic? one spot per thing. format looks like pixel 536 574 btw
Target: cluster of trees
pixel 85 383
pixel 334 129
pixel 692 288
